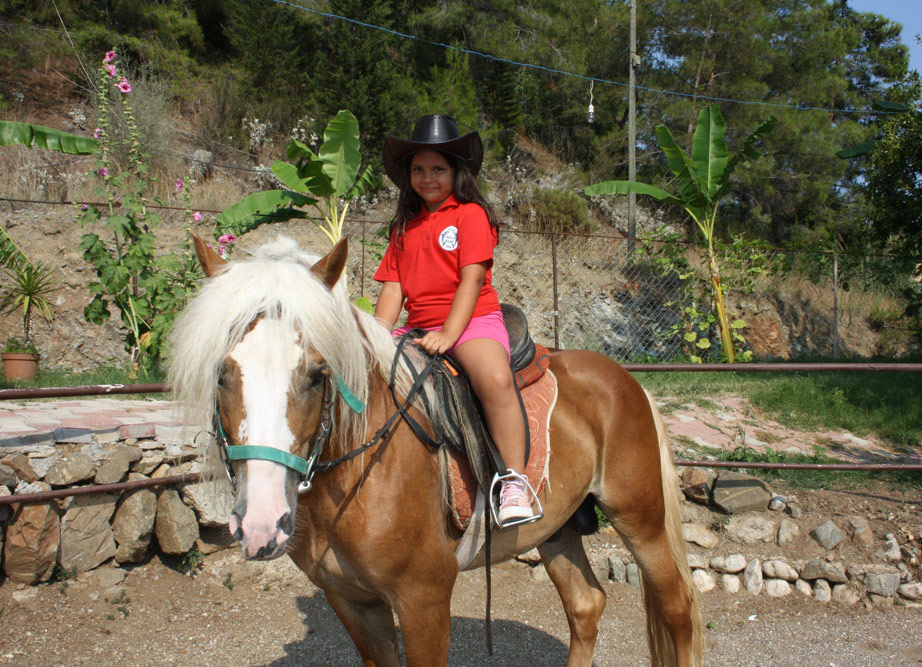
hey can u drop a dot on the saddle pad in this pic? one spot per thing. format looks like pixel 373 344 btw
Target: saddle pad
pixel 539 399
pixel 535 369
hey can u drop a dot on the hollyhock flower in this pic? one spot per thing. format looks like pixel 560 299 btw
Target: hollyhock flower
pixel 111 70
pixel 103 172
pixel 83 207
pixel 118 201
pixel 97 133
pixel 196 216
pixel 178 184
pixel 110 56
pixel 124 86
pixel 226 239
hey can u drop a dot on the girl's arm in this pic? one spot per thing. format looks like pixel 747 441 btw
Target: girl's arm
pixel 462 307
pixel 389 305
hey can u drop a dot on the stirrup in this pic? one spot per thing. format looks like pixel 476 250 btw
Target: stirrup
pixel 494 499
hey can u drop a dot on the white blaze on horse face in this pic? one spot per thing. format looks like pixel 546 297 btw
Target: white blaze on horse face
pixel 267 356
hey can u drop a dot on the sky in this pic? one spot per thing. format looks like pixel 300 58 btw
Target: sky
pixel 908 13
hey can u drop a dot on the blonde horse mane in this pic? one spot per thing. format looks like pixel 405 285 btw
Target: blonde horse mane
pixel 276 282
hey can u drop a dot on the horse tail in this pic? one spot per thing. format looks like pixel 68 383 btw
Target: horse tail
pixel 662 651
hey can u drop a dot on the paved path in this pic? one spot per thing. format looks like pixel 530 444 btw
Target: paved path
pixel 27 424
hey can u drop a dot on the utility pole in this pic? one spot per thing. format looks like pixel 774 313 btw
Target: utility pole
pixel 632 137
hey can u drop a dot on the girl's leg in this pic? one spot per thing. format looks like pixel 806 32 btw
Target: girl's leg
pixel 487 365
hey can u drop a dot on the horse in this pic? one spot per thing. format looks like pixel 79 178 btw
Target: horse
pixel 297 376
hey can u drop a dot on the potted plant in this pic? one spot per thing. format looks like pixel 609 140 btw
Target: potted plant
pixel 27 287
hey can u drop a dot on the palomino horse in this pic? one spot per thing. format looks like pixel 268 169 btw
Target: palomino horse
pixel 274 347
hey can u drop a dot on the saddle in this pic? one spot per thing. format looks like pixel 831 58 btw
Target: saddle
pixel 459 422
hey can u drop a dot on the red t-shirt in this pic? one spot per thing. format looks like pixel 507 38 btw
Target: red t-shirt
pixel 427 261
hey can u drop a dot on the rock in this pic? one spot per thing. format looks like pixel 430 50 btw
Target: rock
pixel 697 484
pixel 794 511
pixel 74 468
pixel 133 525
pixel 692 513
pixel 891 550
pixel 736 492
pixel 202 162
pixel 107 577
pixel 176 528
pixel 828 535
pixel 777 503
pixel 601 568
pixel 698 534
pixel 617 568
pixel 8 477
pixel 860 531
pixel 114 468
pixel 696 561
pixel 531 557
pixel 788 532
pixel 212 502
pixel 703 580
pixel 212 540
pixel 752 577
pixel 822 592
pixel 86 536
pixel 149 462
pixel 30 549
pixel 817 569
pixel 911 591
pixel 751 529
pixel 729 564
pixel 845 594
pixel 730 583
pixel 885 584
pixel 778 569
pixel 21 466
pixel 777 588
pixel 4 513
pixel 632 574
pixel 803 587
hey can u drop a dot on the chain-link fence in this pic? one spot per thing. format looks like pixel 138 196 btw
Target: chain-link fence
pixel 650 301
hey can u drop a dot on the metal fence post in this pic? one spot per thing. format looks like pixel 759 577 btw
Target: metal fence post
pixel 556 304
pixel 835 306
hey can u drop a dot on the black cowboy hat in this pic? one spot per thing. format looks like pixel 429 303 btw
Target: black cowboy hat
pixel 435 133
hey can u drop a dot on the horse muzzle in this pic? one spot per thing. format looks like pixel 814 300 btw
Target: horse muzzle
pixel 260 539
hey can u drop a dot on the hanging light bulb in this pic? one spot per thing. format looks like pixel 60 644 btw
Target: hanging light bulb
pixel 590 115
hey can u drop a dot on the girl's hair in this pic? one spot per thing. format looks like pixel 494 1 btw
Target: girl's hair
pixel 465 191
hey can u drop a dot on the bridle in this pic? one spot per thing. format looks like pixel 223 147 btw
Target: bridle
pixel 309 466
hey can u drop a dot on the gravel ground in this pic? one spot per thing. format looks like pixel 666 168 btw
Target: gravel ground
pixel 234 612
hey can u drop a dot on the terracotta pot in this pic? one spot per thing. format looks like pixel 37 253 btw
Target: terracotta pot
pixel 19 366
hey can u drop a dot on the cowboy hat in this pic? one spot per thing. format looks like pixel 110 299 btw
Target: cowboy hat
pixel 435 133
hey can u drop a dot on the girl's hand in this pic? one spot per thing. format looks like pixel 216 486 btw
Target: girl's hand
pixel 437 342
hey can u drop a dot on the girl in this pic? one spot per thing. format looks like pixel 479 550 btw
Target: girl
pixel 438 265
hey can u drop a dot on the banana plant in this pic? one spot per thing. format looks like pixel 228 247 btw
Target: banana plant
pixel 36 136
pixel 703 179
pixel 326 180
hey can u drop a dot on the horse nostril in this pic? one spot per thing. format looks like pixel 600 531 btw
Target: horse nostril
pixel 238 531
pixel 284 524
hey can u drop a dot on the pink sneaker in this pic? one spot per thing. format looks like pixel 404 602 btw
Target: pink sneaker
pixel 514 502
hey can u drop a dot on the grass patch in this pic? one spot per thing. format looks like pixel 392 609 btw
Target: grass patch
pixel 102 375
pixel 888 405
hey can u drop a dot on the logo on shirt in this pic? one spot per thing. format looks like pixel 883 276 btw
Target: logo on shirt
pixel 448 239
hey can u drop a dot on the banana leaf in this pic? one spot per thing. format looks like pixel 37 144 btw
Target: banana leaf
pixel 262 207
pixel 25 134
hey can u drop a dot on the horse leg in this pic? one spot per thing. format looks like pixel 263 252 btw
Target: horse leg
pixel 371 627
pixel 583 599
pixel 425 625
pixel 670 608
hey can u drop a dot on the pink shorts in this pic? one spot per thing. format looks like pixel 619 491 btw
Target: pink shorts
pixel 490 326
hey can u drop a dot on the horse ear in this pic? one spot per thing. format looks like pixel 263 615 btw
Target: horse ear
pixel 208 258
pixel 330 268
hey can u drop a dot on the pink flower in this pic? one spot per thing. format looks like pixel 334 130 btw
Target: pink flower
pixel 196 216
pixel 97 133
pixel 103 172
pixel 178 184
pixel 118 201
pixel 110 56
pixel 124 86
pixel 226 239
pixel 83 207
pixel 111 70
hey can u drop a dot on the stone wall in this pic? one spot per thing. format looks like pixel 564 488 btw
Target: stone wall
pixel 741 537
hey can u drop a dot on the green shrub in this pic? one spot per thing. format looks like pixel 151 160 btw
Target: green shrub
pixel 556 211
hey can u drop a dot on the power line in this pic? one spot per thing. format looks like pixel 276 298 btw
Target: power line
pixel 487 56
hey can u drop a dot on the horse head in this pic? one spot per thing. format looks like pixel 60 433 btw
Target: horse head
pixel 274 378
